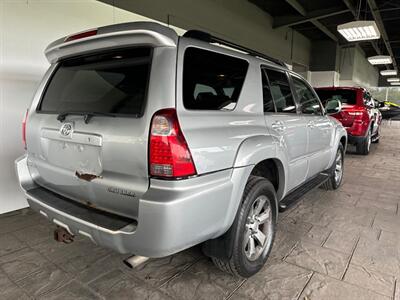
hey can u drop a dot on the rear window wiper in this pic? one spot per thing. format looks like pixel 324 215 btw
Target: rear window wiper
pixel 86 115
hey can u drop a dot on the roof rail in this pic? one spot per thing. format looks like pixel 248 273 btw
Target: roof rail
pixel 207 37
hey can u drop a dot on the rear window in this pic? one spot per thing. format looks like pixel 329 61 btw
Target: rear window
pixel 212 81
pixel 115 82
pixel 344 96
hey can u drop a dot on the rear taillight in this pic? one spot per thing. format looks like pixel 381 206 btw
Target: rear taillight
pixel 169 154
pixel 360 121
pixel 24 129
pixel 81 35
pixel 355 113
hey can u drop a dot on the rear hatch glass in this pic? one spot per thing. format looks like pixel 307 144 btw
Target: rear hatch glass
pixel 347 97
pixel 112 83
pixel 344 96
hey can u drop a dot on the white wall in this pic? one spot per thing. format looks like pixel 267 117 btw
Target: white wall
pixel 364 73
pixel 324 78
pixel 26 28
pixel 355 70
pixel 239 21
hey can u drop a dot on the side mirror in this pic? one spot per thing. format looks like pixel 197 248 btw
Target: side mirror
pixel 333 107
pixel 369 104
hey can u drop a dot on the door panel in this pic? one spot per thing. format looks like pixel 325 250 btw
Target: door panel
pixel 320 130
pixel 291 133
pixel 319 127
pixel 285 124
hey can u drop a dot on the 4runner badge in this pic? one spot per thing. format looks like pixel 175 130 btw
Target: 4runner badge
pixel 121 192
pixel 66 130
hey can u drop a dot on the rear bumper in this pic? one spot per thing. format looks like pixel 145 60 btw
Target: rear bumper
pixel 355 139
pixel 173 215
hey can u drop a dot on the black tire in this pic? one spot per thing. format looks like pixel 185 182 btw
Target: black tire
pixel 363 147
pixel 239 264
pixel 332 183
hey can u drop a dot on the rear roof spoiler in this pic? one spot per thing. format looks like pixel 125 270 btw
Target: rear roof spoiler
pixel 111 37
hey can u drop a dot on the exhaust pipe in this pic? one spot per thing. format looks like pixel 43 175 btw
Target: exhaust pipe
pixel 135 260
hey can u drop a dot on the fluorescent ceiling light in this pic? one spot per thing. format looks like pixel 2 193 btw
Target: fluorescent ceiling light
pixel 380 60
pixel 395 83
pixel 359 31
pixel 388 72
pixel 393 79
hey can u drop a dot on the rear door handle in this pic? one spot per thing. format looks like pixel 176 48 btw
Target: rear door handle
pixel 278 126
pixel 311 124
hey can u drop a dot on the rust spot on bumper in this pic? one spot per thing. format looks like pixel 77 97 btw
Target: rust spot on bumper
pixel 85 176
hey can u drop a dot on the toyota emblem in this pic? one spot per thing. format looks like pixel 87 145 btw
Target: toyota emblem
pixel 66 130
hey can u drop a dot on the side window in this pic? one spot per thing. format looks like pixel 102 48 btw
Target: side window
pixel 280 90
pixel 212 81
pixel 309 103
pixel 267 96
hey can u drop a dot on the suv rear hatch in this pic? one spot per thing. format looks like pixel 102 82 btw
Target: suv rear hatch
pixel 348 98
pixel 87 133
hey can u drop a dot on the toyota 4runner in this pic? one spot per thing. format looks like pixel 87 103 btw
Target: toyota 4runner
pixel 149 143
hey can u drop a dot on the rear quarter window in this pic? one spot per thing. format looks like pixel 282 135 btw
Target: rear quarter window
pixel 114 82
pixel 212 81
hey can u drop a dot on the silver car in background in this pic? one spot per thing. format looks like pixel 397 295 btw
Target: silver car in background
pixel 150 143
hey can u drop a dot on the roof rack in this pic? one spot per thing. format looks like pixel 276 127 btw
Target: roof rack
pixel 207 37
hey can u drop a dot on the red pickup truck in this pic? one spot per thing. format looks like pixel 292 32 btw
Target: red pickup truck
pixel 359 115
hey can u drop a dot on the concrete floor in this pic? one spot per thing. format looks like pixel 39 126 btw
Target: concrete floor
pixel 331 245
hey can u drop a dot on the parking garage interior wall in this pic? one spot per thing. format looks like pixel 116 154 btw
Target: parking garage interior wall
pixel 355 69
pixel 364 72
pixel 331 65
pixel 324 78
pixel 26 28
pixel 324 63
pixel 239 21
pixel 324 56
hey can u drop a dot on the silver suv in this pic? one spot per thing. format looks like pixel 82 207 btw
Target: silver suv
pixel 149 143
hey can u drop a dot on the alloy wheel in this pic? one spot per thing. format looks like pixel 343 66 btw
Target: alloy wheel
pixel 258 232
pixel 338 167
